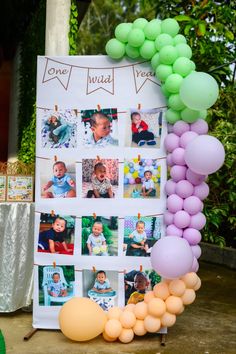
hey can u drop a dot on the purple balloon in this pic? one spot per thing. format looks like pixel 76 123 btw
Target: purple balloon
pixel 171 142
pixel 173 230
pixel 205 154
pixel 193 236
pixel 181 219
pixel 178 172
pixel 186 138
pixel 184 189
pixel 200 127
pixel 180 127
pixel 171 257
pixel 178 156
pixel 201 191
pixel 174 203
pixel 169 160
pixel 192 205
pixel 195 265
pixel 170 187
pixel 168 218
pixel 198 221
pixel 196 251
pixel 131 180
pixel 194 178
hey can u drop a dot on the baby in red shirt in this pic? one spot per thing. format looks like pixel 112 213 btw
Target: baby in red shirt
pixel 140 133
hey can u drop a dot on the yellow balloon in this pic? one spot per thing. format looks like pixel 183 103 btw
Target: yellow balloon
pixel 81 319
pixel 126 169
pixel 135 174
pixel 152 324
pixel 126 335
pixel 135 160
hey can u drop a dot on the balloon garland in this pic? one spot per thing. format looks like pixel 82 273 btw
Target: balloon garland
pixel 192 155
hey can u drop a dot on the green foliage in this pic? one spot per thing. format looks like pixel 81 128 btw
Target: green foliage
pixel 27 150
pixel 153 276
pixel 73 33
pixel 2 344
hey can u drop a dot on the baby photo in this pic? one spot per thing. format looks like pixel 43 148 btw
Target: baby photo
pixel 58 128
pixel 100 178
pixel 140 234
pixel 57 179
pixel 100 236
pixel 144 128
pixel 56 285
pixel 100 128
pixel 101 286
pixel 56 234
pixel 137 283
pixel 142 178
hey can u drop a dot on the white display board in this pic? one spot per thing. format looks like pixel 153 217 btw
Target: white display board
pixel 78 152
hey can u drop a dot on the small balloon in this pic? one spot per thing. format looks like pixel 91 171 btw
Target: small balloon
pixel 182 66
pixel 172 116
pixel 163 71
pixel 173 83
pixel 140 23
pixel 168 54
pixel 179 38
pixel 162 40
pixel 170 26
pixel 184 189
pixel 152 29
pixel 122 32
pixel 184 50
pixel 180 127
pixel 189 115
pixel 175 102
pixel 132 52
pixel 115 49
pixel 155 61
pixel 136 37
pixel 147 49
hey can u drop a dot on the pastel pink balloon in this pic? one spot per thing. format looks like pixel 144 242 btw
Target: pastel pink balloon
pixel 173 230
pixel 186 138
pixel 169 160
pixel 174 203
pixel 168 218
pixel 170 187
pixel 184 189
pixel 192 205
pixel 171 142
pixel 178 173
pixel 193 236
pixel 180 127
pixel 198 221
pixel 196 251
pixel 195 178
pixel 200 127
pixel 181 219
pixel 201 191
pixel 195 265
pixel 178 156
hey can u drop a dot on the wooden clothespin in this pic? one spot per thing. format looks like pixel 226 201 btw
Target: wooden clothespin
pixel 140 268
pixel 139 215
pixel 76 112
pixel 54 264
pixel 94 269
pixel 94 216
pixel 139 106
pixel 98 158
pixel 56 108
pixel 52 213
pixel 139 157
pixel 55 158
pixel 98 107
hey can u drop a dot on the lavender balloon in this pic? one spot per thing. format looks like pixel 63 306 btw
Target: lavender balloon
pixel 174 203
pixel 169 160
pixel 201 191
pixel 178 156
pixel 195 265
pixel 198 221
pixel 192 205
pixel 168 218
pixel 194 178
pixel 186 138
pixel 196 251
pixel 193 236
pixel 180 127
pixel 173 230
pixel 178 172
pixel 181 219
pixel 184 189
pixel 200 127
pixel 171 142
pixel 170 187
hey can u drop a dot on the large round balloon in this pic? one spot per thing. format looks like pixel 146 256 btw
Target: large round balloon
pixel 171 257
pixel 81 319
pixel 199 90
pixel 204 154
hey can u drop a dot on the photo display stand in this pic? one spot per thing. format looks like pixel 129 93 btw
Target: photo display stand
pixel 99 186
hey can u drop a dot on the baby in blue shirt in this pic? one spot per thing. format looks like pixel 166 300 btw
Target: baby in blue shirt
pixel 139 237
pixel 56 288
pixel 102 284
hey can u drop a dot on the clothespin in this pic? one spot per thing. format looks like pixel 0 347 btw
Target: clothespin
pixel 94 269
pixel 54 264
pixel 55 158
pixel 56 108
pixel 98 158
pixel 140 268
pixel 139 157
pixel 139 106
pixel 76 111
pixel 52 213
pixel 98 107
pixel 94 216
pixel 139 215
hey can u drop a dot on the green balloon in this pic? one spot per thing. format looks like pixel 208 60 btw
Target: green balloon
pixel 132 52
pixel 155 61
pixel 172 116
pixel 173 83
pixel 203 114
pixel 140 23
pixel 170 26
pixel 182 66
pixel 136 37
pixel 163 71
pixel 152 29
pixel 184 50
pixel 147 49
pixel 122 31
pixel 168 54
pixel 115 49
pixel 193 65
pixel 199 91
pixel 179 39
pixel 162 40
pixel 176 103
pixel 189 115
pixel 164 90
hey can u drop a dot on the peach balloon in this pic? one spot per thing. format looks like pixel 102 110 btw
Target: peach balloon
pixel 148 296
pixel 114 312
pixel 177 287
pixel 113 328
pixel 107 338
pixel 188 297
pixel 140 310
pixel 129 307
pixel 173 304
pixel 81 319
pixel 180 311
pixel 168 319
pixel 152 324
pixel 198 285
pixel 190 280
pixel 139 328
pixel 161 290
pixel 127 319
pixel 156 307
pixel 126 335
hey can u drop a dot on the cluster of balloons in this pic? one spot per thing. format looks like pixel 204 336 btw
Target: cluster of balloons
pixel 135 169
pixel 81 319
pixel 189 93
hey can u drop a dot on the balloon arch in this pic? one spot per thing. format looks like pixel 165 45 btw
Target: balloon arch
pixel 192 155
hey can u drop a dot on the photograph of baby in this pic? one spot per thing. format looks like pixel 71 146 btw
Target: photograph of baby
pixel 100 128
pixel 58 128
pixel 57 179
pixel 144 128
pixel 100 236
pixel 56 234
pixel 101 286
pixel 140 234
pixel 137 283
pixel 56 285
pixel 142 178
pixel 100 178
